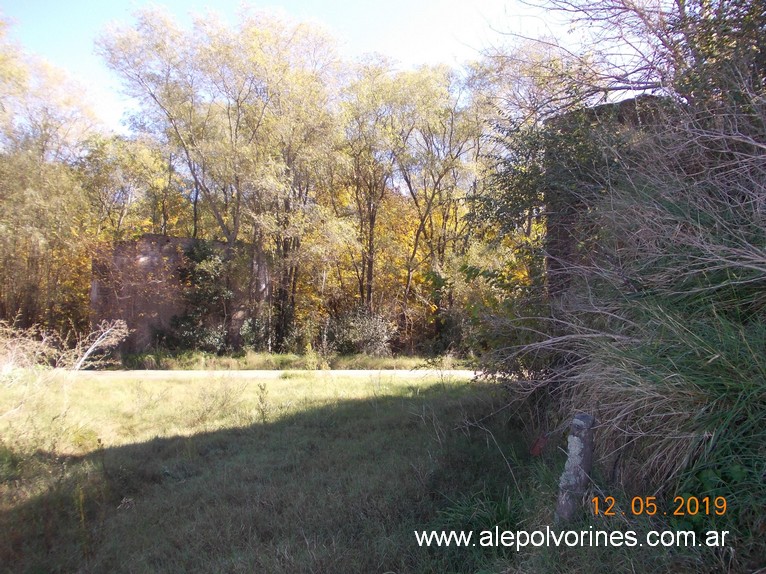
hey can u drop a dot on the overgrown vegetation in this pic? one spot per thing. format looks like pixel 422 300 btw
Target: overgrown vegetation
pixel 589 220
pixel 297 474
pixel 206 297
pixel 26 349
pixel 651 317
pixel 252 360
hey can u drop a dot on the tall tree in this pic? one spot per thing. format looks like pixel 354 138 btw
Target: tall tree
pixel 432 137
pixel 133 187
pixel 245 108
pixel 44 218
pixel 367 107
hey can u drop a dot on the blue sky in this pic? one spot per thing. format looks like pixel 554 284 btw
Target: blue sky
pixel 411 32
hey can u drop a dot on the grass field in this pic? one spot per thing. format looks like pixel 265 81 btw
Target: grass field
pixel 301 472
pixel 306 473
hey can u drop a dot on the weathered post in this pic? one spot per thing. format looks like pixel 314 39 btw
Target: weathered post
pixel 574 479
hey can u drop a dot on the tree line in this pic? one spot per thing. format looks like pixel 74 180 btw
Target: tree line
pixel 350 183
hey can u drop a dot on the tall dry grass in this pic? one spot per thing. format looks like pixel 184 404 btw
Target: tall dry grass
pixel 662 332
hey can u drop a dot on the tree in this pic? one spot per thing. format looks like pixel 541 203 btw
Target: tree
pixel 13 76
pixel 366 108
pixel 44 258
pixel 207 105
pixel 690 48
pixel 434 136
pixel 133 187
pixel 246 110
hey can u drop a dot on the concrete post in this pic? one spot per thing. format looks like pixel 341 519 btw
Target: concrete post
pixel 574 480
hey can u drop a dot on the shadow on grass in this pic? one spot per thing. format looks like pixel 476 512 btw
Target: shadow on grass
pixel 336 488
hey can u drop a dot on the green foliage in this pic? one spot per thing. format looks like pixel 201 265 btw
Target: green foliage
pixel 205 278
pixel 255 334
pixel 516 184
pixel 9 463
pixel 189 332
pixel 206 295
pixel 724 54
pixel 693 324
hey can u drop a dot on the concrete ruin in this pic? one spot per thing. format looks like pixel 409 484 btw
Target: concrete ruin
pixel 140 282
pixel 572 177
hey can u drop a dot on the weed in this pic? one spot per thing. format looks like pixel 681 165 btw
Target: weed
pixel 252 360
pixel 215 403
pixel 84 438
pixel 9 463
pixel 262 405
pixel 36 347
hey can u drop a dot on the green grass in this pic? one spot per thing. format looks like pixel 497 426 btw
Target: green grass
pixel 251 360
pixel 309 472
pixel 302 474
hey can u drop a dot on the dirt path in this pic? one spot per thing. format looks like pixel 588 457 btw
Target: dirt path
pixel 265 375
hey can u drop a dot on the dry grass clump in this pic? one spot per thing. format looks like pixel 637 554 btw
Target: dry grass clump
pixel 22 348
pixel 661 334
pixel 676 373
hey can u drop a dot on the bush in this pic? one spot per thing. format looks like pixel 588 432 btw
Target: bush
pixel 189 332
pixel 203 326
pixel 36 347
pixel 24 348
pixel 255 334
pixel 362 331
pixel 678 372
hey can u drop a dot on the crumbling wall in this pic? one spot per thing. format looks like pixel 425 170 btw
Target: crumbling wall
pixel 138 281
pixel 581 156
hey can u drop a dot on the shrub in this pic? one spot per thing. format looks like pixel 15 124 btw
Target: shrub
pixel 190 332
pixel 35 347
pixel 255 334
pixel 362 331
pixel 203 326
pixel 664 324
